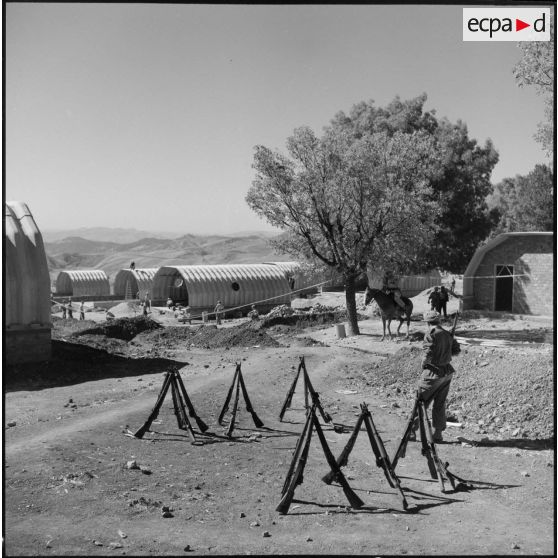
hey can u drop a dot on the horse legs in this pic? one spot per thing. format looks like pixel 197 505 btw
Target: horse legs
pixel 384 326
pixel 389 328
pixel 401 320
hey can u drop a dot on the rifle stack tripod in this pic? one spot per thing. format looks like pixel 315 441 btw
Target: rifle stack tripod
pixel 378 448
pixel 438 469
pixel 180 401
pixel 300 456
pixel 309 392
pixel 237 385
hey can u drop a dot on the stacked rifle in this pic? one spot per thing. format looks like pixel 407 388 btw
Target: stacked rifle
pixel 378 448
pixel 237 385
pixel 184 411
pixel 180 401
pixel 438 469
pixel 309 393
pixel 298 463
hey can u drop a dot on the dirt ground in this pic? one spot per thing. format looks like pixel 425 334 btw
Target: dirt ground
pixel 68 489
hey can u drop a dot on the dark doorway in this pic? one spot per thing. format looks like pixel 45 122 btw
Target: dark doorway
pixel 503 299
pixel 178 291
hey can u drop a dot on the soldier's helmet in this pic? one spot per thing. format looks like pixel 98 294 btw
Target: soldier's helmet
pixel 431 316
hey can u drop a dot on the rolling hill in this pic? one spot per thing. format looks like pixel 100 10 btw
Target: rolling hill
pixel 75 252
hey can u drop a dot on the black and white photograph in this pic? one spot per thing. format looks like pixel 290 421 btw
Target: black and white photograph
pixel 279 279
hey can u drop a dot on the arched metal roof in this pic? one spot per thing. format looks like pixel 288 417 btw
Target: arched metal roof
pixel 140 280
pixel 233 285
pixel 27 282
pixel 82 282
pixel 478 256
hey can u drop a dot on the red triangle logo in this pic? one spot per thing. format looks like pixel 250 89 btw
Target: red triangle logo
pixel 519 25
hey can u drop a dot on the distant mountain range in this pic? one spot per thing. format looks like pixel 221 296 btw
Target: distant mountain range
pixel 124 236
pixel 77 252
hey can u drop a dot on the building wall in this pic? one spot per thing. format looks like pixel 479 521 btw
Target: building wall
pixel 200 286
pixel 82 282
pixel 532 258
pixel 140 280
pixel 27 345
pixel 27 318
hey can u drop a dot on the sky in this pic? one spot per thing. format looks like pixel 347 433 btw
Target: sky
pixel 146 115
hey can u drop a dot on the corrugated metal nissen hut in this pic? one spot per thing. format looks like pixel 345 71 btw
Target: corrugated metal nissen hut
pixel 129 282
pixel 512 273
pixel 201 286
pixel 27 318
pixel 82 283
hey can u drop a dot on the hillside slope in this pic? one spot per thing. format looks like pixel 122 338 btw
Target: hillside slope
pixel 79 253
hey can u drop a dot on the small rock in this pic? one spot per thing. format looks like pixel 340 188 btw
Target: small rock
pixel 115 545
pixel 515 546
pixel 121 534
pixel 97 543
pixel 309 539
pixel 516 431
pixel 145 470
pixel 12 423
pixel 132 464
pixel 525 474
pixel 266 534
pixel 187 548
pixel 167 514
pixel 254 524
pixel 242 514
pixel 395 405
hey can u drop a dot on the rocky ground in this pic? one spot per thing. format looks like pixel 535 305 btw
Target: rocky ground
pixel 75 483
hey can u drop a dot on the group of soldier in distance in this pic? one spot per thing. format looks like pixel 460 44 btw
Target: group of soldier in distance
pixel 432 390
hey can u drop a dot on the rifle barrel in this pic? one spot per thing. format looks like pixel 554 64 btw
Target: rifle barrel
pixel 344 456
pixel 155 411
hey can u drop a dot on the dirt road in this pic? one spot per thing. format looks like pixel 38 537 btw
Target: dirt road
pixel 68 490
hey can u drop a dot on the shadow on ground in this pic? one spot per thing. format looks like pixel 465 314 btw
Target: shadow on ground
pixel 541 335
pixel 72 363
pixel 519 443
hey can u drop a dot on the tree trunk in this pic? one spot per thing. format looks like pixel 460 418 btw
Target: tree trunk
pixel 350 299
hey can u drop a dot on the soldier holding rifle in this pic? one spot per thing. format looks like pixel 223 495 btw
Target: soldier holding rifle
pixel 437 372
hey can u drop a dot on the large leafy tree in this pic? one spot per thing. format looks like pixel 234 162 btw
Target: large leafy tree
pixel 536 69
pixel 461 183
pixel 525 203
pixel 345 200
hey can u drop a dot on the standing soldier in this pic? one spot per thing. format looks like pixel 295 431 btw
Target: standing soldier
pixel 434 300
pixel 82 311
pixel 219 312
pixel 70 310
pixel 187 315
pixel 254 314
pixel 444 297
pixel 437 372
